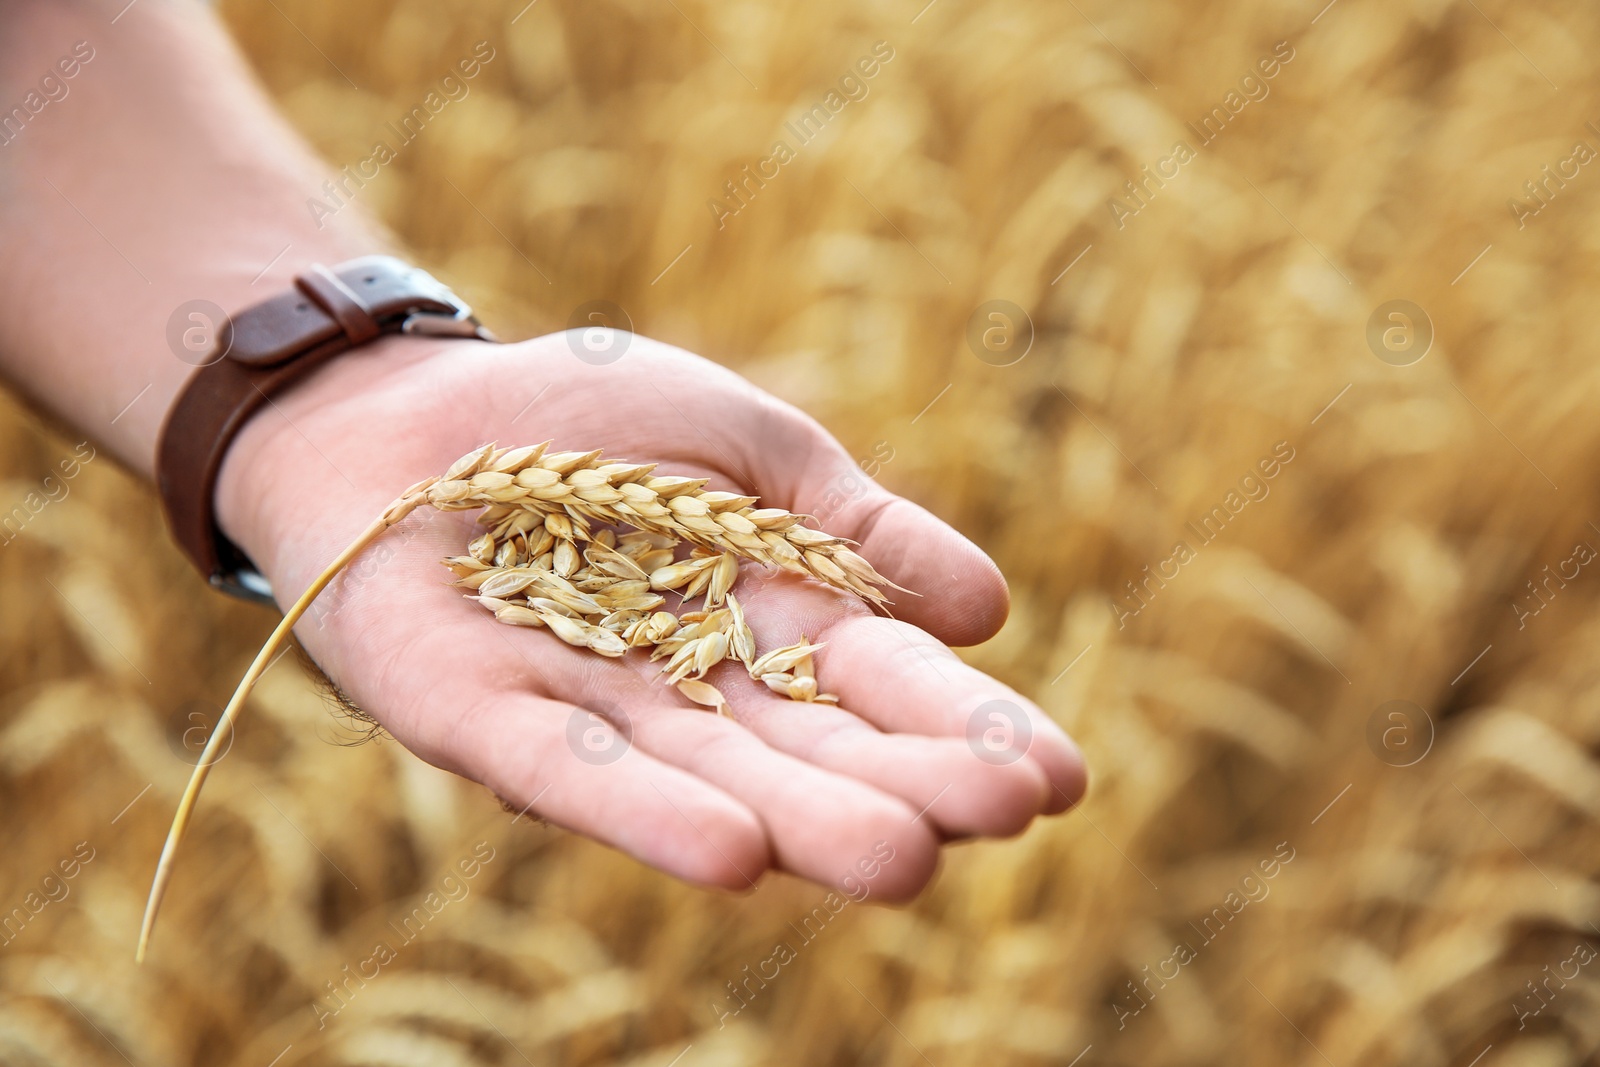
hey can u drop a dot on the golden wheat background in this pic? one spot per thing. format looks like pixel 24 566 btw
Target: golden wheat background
pixel 1228 717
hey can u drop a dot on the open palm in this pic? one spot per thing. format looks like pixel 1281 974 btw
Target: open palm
pixel 922 748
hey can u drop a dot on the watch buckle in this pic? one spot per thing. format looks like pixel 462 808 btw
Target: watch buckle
pixel 438 324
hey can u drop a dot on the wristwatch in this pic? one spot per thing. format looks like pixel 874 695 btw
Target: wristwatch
pixel 261 351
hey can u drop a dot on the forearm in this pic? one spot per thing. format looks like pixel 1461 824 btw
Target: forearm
pixel 161 176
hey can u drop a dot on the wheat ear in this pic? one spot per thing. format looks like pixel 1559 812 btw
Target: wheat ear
pixel 414 498
pixel 517 488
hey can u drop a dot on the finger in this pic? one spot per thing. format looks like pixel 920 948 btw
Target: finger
pixel 821 826
pixel 576 770
pixel 962 597
pixel 903 681
pixel 813 823
pixel 960 796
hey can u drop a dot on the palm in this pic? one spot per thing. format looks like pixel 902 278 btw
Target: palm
pixel 808 788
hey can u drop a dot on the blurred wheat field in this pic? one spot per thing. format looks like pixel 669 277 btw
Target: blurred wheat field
pixel 1218 320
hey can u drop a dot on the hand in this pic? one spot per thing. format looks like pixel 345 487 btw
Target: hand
pixel 806 788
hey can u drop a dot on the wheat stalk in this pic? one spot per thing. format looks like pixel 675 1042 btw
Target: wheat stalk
pixel 543 563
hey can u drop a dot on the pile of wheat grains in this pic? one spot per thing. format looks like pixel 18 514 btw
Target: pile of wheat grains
pixel 1225 710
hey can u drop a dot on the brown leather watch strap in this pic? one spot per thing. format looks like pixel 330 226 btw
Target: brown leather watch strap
pixel 259 352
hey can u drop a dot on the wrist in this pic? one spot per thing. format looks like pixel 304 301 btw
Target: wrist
pixel 321 439
pixel 261 355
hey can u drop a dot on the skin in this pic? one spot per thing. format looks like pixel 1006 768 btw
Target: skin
pixel 166 145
